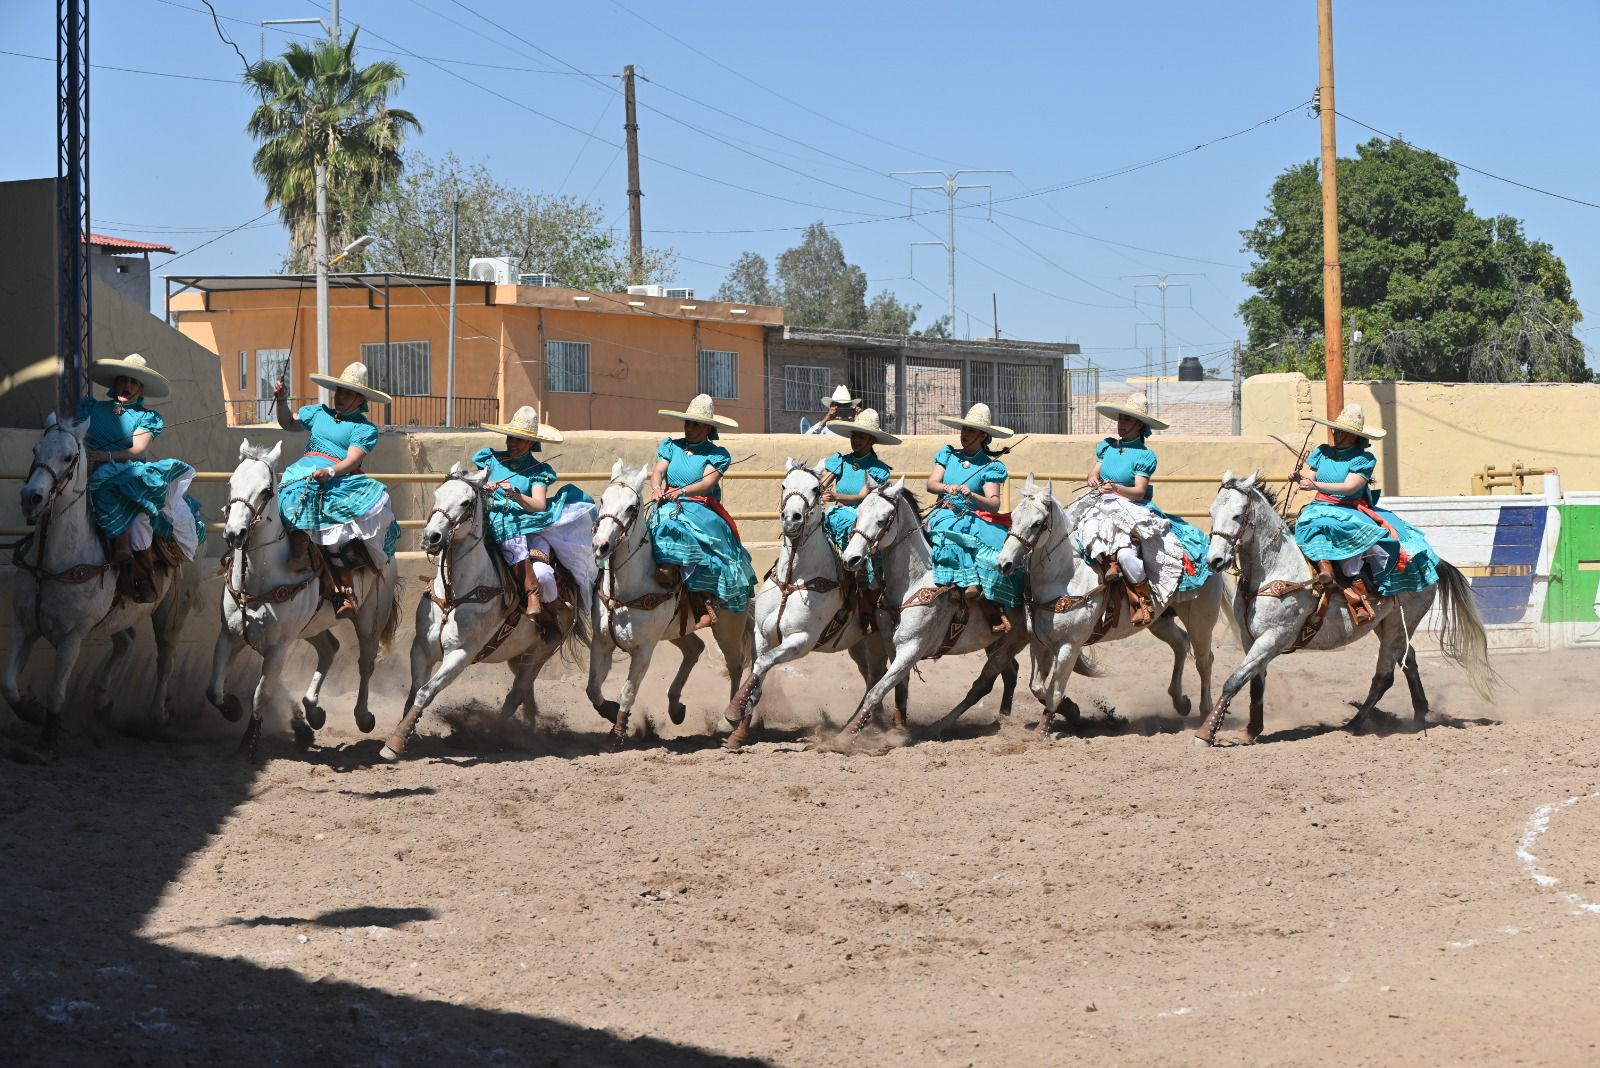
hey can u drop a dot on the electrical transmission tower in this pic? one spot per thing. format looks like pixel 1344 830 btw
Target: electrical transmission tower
pixel 74 305
pixel 950 188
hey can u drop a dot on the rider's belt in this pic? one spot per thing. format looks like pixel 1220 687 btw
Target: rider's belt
pixel 1371 513
pixel 999 519
pixel 335 459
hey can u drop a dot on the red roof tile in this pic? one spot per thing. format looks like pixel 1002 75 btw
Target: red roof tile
pixel 124 244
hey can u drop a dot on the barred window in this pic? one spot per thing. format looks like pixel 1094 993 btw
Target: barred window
pixel 566 366
pixel 805 386
pixel 719 373
pixel 404 371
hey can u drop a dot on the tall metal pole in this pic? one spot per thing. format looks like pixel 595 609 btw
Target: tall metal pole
pixel 951 188
pixel 74 290
pixel 450 361
pixel 635 213
pixel 322 275
pixel 1238 392
pixel 1332 276
pixel 333 19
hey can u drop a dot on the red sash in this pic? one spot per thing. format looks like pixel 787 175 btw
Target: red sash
pixel 335 459
pixel 716 506
pixel 1371 513
pixel 999 519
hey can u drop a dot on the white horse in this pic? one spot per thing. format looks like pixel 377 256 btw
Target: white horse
pixel 1067 599
pixel 65 589
pixel 266 606
pixel 471 613
pixel 1277 603
pixel 805 609
pixel 920 612
pixel 633 613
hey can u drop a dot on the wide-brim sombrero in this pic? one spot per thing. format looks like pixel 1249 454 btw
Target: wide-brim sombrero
pixel 353 378
pixel 526 424
pixel 1138 406
pixel 104 372
pixel 1353 420
pixel 867 423
pixel 700 410
pixel 978 417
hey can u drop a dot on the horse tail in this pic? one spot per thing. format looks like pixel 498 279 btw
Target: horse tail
pixel 1088 667
pixel 1462 636
pixel 580 635
pixel 391 626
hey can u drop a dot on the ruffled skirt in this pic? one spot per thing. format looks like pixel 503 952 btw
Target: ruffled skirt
pixel 695 538
pixel 966 548
pixel 151 497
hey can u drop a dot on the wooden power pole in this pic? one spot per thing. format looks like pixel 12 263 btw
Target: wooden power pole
pixel 1332 277
pixel 635 216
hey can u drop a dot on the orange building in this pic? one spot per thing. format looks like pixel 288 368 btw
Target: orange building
pixel 586 361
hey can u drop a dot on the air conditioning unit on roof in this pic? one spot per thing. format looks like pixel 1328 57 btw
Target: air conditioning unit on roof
pixel 646 291
pixel 546 280
pixel 502 270
pixel 679 293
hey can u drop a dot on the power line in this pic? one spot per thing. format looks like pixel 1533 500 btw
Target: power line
pixel 219 237
pixel 129 70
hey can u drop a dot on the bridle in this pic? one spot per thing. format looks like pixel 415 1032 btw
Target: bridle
pixel 76 574
pixel 482 594
pixel 1030 544
pixel 808 503
pixel 468 515
pixel 875 542
pixel 258 512
pixel 1233 539
pixel 58 480
pixel 624 527
pixel 240 592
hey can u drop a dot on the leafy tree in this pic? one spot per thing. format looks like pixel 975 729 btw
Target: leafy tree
pixel 940 327
pixel 317 108
pixel 819 287
pixel 563 236
pixel 1437 292
pixel 886 315
pixel 748 282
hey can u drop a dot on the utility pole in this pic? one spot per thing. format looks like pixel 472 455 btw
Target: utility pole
pixel 1161 285
pixel 450 360
pixel 1238 393
pixel 1332 275
pixel 994 310
pixel 950 187
pixel 635 215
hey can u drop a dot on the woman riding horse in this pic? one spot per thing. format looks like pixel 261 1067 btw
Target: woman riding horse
pixel 967 529
pixel 325 496
pixel 695 540
pixel 1124 466
pixel 534 527
pixel 134 499
pixel 850 472
pixel 1343 523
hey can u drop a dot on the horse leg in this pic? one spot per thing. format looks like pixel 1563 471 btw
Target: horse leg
pixel 455 662
pixel 67 651
pixel 1419 699
pixel 327 647
pixel 101 700
pixel 691 646
pixel 222 654
pixel 369 640
pixel 638 664
pixel 993 665
pixel 1391 636
pixel 1201 628
pixel 741 704
pixel 1255 662
pixel 1008 679
pixel 521 695
pixel 1167 629
pixel 742 710
pixel 1053 695
pixel 600 649
pixel 900 665
pixel 1258 706
pixel 268 688
pixel 28 709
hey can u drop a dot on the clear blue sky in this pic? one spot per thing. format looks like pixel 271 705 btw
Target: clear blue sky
pixel 1054 92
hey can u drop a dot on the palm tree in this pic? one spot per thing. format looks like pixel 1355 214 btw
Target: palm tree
pixel 321 115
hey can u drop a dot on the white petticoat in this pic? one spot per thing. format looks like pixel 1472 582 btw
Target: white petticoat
pixel 372 527
pixel 141 535
pixel 1104 523
pixel 569 539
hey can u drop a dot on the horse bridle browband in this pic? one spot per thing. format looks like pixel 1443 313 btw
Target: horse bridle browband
pixel 57 481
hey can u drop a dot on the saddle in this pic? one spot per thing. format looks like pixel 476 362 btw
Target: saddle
pixel 1323 581
pixel 958 619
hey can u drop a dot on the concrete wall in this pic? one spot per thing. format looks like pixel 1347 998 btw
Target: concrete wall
pixel 1440 433
pixel 781 354
pixel 129 275
pixel 28 368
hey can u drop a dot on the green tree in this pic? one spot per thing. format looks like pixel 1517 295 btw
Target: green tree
pixel 1436 292
pixel 563 236
pixel 318 109
pixel 940 327
pixel 886 315
pixel 748 282
pixel 819 287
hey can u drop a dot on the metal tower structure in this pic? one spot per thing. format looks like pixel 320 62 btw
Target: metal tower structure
pixel 74 300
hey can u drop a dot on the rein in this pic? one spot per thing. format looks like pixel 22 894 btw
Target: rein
pixel 75 575
pixel 608 569
pixel 787 585
pixel 258 513
pixel 479 595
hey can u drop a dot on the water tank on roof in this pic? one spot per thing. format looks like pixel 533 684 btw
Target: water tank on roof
pixel 1189 370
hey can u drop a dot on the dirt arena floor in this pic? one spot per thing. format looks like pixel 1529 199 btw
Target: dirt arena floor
pixel 1120 897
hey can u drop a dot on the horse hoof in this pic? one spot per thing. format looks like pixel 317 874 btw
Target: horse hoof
pixel 737 738
pixel 609 710
pixel 365 721
pixel 316 717
pixel 389 756
pixel 231 708
pixel 676 711
pixel 614 742
pixel 1184 707
pixel 1201 743
pixel 304 736
pixel 30 711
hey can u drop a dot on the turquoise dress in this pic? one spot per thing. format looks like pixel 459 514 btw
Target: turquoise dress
pixel 1122 461
pixel 692 535
pixel 122 489
pixel 850 476
pixel 1327 531
pixel 965 545
pixel 310 505
pixel 507 518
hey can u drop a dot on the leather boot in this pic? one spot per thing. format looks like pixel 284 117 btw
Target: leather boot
pixel 299 551
pixel 668 576
pixel 996 617
pixel 700 608
pixel 1143 609
pixel 523 573
pixel 122 548
pixel 1359 602
pixel 141 576
pixel 1327 579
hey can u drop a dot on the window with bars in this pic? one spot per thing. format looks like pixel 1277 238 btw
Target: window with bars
pixel 404 371
pixel 719 373
pixel 804 387
pixel 566 366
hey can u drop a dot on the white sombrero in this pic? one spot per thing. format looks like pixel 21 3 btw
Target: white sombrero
pixel 353 378
pixel 1354 420
pixel 700 410
pixel 1138 406
pixel 841 397
pixel 978 417
pixel 525 424
pixel 104 372
pixel 866 423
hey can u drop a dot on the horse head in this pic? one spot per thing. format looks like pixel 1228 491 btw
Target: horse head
pixel 455 508
pixel 1030 521
pixel 621 504
pixel 1231 521
pixel 252 490
pixel 57 465
pixel 876 521
pixel 802 492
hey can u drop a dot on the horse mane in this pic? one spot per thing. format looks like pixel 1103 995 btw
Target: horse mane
pixel 916 502
pixel 1269 493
